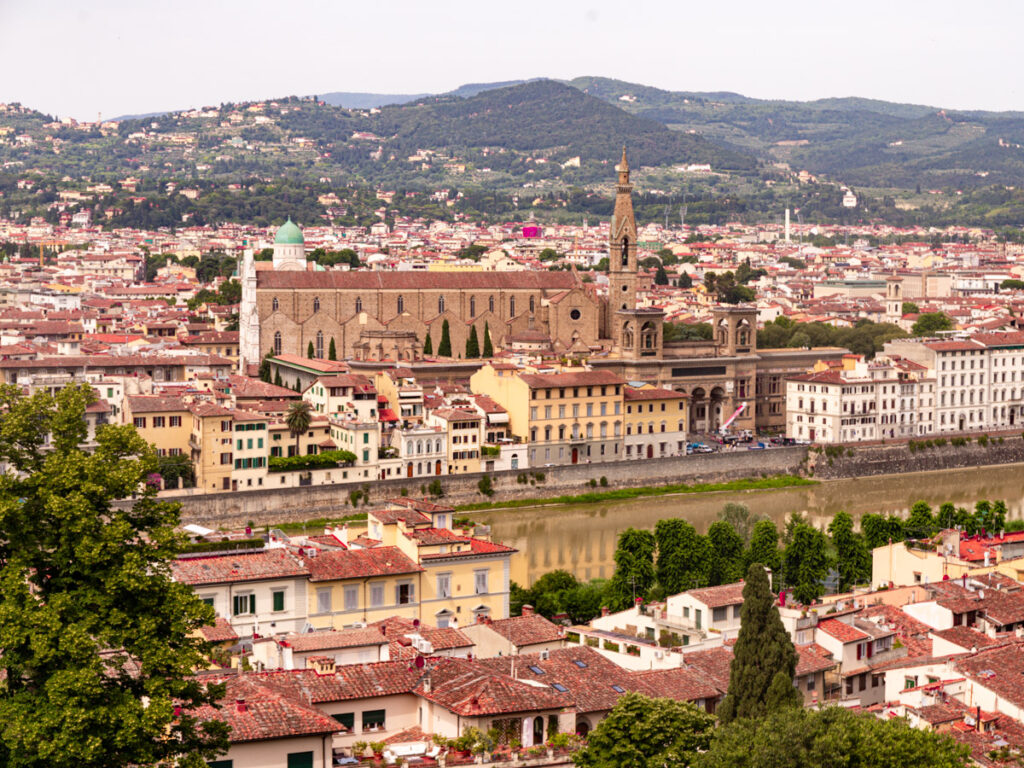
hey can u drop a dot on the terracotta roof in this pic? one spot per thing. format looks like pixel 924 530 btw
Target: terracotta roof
pixel 716 597
pixel 417 281
pixel 153 404
pixel 220 632
pixel 965 637
pixel 714 663
pixel 999 668
pixel 329 640
pixel 812 658
pixel 465 688
pixel 527 630
pixel 574 379
pixel 249 388
pixel 842 631
pixel 653 394
pixel 236 567
pixel 360 564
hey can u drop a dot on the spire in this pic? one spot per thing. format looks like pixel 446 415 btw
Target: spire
pixel 623 169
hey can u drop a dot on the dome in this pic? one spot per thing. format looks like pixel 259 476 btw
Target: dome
pixel 289 234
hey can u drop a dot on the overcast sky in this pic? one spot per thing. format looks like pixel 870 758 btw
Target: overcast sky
pixel 81 57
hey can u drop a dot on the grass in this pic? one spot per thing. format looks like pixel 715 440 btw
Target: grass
pixel 747 484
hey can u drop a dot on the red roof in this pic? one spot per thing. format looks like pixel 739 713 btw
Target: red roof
pixel 360 564
pixel 237 566
pixel 841 631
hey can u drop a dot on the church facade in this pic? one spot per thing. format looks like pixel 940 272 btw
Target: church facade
pixel 371 315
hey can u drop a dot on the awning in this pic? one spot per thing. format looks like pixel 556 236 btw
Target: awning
pixel 386 414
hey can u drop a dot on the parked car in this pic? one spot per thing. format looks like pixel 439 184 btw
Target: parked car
pixel 756 447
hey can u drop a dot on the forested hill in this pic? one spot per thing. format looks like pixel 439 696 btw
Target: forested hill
pixel 855 140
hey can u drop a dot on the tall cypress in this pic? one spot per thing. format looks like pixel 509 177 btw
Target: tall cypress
pixel 444 349
pixel 277 379
pixel 428 345
pixel 472 344
pixel 332 351
pixel 488 349
pixel 309 351
pixel 763 652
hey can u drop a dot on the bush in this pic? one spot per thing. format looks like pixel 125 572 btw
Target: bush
pixel 572 637
pixel 222 546
pixel 982 440
pixel 521 478
pixel 324 460
pixel 592 483
pixel 435 488
pixel 539 477
pixel 592 642
pixel 604 481
pixel 610 646
pixel 490 450
pixel 485 486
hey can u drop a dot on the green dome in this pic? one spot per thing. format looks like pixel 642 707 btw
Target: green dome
pixel 289 234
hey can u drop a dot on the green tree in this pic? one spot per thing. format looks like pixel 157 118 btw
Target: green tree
pixel 910 308
pixel 634 568
pixel 764 546
pixel 177 470
pixel 853 559
pixel 265 366
pixel 472 344
pixel 684 558
pixel 920 524
pixel 428 345
pixel 488 348
pixel 763 651
pixel 444 349
pixel 641 732
pixel 726 554
pixel 278 381
pixel 741 519
pixel 332 351
pixel 230 292
pixel 805 563
pixel 685 281
pixel 309 351
pixel 97 641
pixel 298 419
pixel 832 736
pixel 878 529
pixel 660 276
pixel 931 323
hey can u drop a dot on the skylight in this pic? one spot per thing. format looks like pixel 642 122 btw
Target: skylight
pixel 537 670
pixel 581 664
pixel 618 689
pixel 559 687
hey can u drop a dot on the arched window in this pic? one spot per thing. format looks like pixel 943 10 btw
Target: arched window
pixel 590 431
pixel 320 344
pixel 359 303
pixel 604 429
pixel 437 446
pixel 625 251
pixel 408 448
pixel 547 433
pixel 512 306
pixel 401 305
pixel 275 304
pixel 316 304
pixel 440 305
pixel 277 342
pixel 419 446
pixel 472 306
pixel 531 305
pixel 490 304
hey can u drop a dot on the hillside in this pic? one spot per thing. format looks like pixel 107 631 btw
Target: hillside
pixel 858 141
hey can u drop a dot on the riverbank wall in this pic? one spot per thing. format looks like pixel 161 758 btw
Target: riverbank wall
pixel 267 506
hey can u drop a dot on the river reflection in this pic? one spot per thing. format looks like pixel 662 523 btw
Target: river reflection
pixel 581 538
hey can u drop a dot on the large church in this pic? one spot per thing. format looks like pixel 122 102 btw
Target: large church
pixel 387 315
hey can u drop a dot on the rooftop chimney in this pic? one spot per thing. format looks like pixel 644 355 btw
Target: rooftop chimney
pixel 527 610
pixel 240 705
pixel 605 610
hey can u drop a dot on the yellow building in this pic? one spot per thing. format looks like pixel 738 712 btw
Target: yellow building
pixel 250 451
pixel 404 395
pixel 569 417
pixel 656 422
pixel 163 422
pixel 463 427
pixel 221 343
pixel 211 444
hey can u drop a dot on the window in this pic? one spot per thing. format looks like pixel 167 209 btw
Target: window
pixel 347 720
pixel 472 306
pixel 319 345
pixel 175 421
pixel 300 760
pixel 618 689
pixel 490 304
pixel 359 303
pixel 207 600
pixel 536 670
pixel 559 687
pixel 377 594
pixel 401 305
pixel 323 600
pixel 373 720
pixel 440 305
pixel 531 305
pixel 580 664
pixel 244 605
pixel 158 422
pixel 278 599
pixel 221 764
pixel 139 422
pixel 480 581
pixel 316 304
pixel 351 598
pixel 277 342
pixel 512 306
pixel 444 585
pixel 405 593
pixel 275 304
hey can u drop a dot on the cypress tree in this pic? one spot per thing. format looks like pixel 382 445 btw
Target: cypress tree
pixel 332 352
pixel 265 367
pixel 488 349
pixel 428 345
pixel 763 652
pixel 472 344
pixel 309 351
pixel 444 349
pixel 277 379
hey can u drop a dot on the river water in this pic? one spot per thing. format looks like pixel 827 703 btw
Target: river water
pixel 581 538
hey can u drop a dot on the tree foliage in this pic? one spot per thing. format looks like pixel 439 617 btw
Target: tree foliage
pixel 805 563
pixel 931 323
pixel 444 349
pixel 764 546
pixel 684 557
pixel 488 350
pixel 726 554
pixel 763 651
pixel 95 638
pixel 634 568
pixel 641 732
pixel 853 559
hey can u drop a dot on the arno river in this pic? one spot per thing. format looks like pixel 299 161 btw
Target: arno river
pixel 581 538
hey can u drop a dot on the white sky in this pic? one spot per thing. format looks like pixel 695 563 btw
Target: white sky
pixel 80 57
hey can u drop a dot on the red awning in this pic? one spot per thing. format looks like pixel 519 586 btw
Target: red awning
pixel 386 414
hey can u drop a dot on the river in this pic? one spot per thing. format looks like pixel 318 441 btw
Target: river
pixel 581 538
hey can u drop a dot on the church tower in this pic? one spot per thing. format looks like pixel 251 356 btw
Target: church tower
pixel 635 332
pixel 622 264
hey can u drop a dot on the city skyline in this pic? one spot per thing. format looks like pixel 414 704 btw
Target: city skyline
pixel 114 58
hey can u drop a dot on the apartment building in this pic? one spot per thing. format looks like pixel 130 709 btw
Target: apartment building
pixel 163 422
pixel 211 446
pixel 569 417
pixel 656 422
pixel 463 426
pixel 250 450
pixel 856 400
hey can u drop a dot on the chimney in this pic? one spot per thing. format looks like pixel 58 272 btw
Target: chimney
pixel 240 705
pixel 977 721
pixel 426 682
pixel 323 665
pixel 527 610
pixel 604 610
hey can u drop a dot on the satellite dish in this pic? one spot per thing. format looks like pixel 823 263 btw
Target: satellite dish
pixel 420 662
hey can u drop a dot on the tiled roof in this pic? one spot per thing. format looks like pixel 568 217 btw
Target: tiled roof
pixel 841 631
pixel 527 630
pixel 465 688
pixel 416 281
pixel 237 567
pixel 911 632
pixel 716 597
pixel 679 683
pixel 714 663
pixel 653 394
pixel 153 404
pixel 220 632
pixel 259 712
pixel 329 640
pixel 573 379
pixel 248 388
pixel 965 637
pixel 442 638
pixel 999 668
pixel 359 564
pixel 812 658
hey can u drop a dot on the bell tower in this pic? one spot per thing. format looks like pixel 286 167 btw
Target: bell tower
pixel 622 264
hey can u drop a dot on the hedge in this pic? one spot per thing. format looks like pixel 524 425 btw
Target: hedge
pixel 324 460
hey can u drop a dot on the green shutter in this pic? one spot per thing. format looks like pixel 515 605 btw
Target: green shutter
pixel 252 603
pixel 300 760
pixel 347 719
pixel 222 764
pixel 279 601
